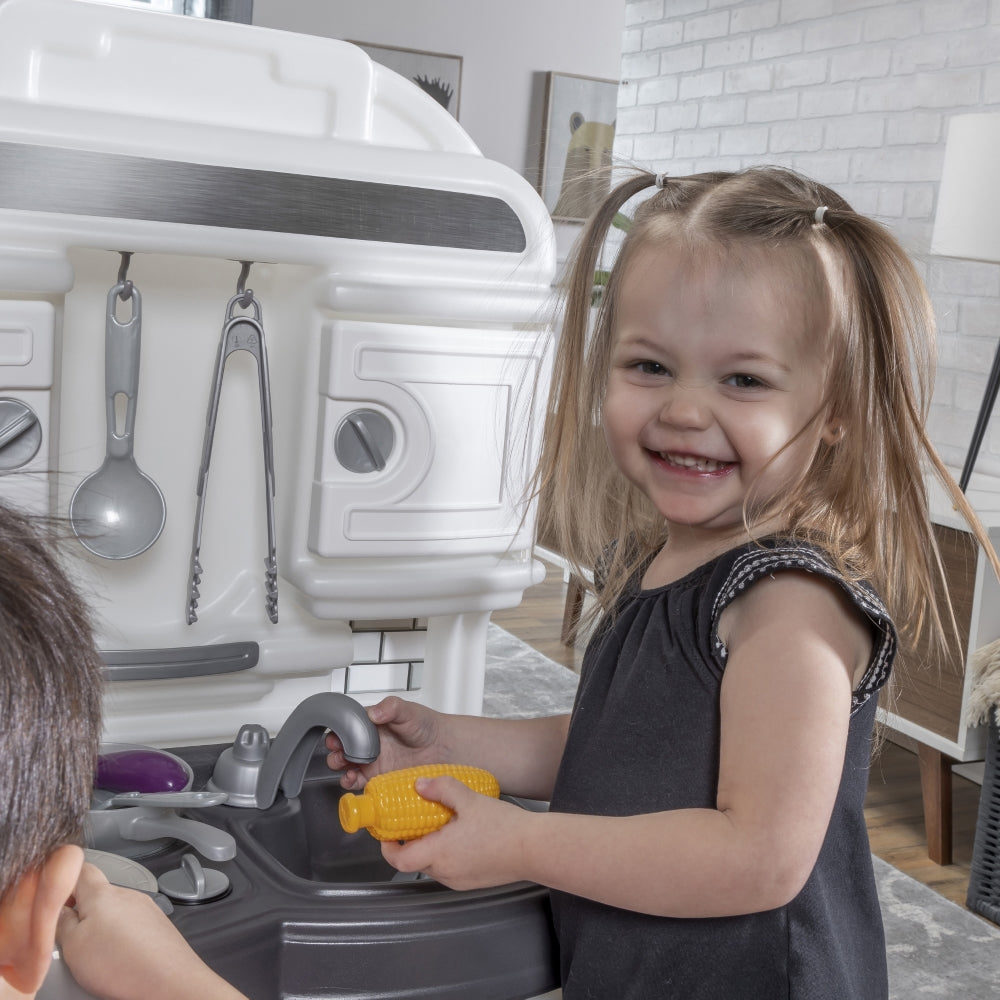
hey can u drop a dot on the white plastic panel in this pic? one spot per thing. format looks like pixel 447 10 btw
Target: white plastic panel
pixel 284 83
pixel 378 677
pixel 457 398
pixel 27 335
pixel 288 84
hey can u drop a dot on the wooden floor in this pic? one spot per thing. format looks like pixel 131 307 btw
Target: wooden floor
pixel 893 809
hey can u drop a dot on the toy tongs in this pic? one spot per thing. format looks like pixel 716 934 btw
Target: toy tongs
pixel 240 333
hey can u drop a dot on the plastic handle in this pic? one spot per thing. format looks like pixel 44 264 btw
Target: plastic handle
pixel 367 441
pixel 170 800
pixel 180 661
pixel 121 367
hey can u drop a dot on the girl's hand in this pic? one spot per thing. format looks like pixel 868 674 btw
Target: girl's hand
pixel 409 734
pixel 480 847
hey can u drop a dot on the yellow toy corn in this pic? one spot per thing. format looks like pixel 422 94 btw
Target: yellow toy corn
pixel 390 808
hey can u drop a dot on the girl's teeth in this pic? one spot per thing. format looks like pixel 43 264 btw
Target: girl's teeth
pixel 690 462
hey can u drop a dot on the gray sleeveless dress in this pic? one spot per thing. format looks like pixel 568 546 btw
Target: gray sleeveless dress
pixel 644 737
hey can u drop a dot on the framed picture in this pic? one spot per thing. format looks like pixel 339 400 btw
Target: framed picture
pixel 435 73
pixel 578 132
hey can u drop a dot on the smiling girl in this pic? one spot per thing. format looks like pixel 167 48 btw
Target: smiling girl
pixel 739 445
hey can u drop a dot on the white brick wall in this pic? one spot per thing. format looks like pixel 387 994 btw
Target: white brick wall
pixel 856 93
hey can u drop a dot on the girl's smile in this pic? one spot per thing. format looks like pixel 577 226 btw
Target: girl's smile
pixel 717 368
pixel 694 465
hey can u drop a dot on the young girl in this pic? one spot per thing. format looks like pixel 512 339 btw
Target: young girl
pixel 739 445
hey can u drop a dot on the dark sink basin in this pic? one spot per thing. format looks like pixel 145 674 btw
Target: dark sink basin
pixel 315 912
pixel 304 836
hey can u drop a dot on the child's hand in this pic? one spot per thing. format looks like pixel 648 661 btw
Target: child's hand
pixel 480 847
pixel 408 733
pixel 119 945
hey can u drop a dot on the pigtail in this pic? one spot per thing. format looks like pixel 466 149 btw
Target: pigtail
pixel 881 501
pixel 570 482
pixel 866 498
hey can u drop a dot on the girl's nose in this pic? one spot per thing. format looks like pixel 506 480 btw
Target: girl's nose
pixel 685 406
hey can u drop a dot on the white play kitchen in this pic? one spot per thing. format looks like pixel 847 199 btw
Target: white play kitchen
pixel 269 329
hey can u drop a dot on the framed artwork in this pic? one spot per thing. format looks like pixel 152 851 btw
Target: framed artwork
pixel 578 132
pixel 435 73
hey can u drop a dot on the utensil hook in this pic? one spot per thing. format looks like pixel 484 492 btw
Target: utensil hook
pixel 244 294
pixel 126 292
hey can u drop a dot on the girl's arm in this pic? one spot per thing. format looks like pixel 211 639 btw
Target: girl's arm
pixel 523 754
pixel 795 646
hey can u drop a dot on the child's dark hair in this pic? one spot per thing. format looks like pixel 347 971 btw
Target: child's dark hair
pixel 863 498
pixel 51 683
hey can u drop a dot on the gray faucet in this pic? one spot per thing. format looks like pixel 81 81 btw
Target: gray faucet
pixel 255 767
pixel 151 816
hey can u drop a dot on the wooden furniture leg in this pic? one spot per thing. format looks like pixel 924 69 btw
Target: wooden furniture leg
pixel 935 784
pixel 572 609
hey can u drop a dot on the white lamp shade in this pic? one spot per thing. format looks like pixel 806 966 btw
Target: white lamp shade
pixel 967 223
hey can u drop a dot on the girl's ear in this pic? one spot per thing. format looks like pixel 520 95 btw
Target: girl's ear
pixel 28 916
pixel 833 432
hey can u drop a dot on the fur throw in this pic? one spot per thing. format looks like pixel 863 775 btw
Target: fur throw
pixel 984 691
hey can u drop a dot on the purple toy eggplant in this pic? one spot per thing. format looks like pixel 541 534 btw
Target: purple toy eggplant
pixel 140 770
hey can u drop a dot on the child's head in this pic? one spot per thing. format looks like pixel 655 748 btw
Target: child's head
pixel 51 681
pixel 714 402
pixel 860 490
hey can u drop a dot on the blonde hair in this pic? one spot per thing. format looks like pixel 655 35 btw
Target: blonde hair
pixel 863 499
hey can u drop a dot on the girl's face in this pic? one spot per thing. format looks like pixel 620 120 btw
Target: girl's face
pixel 717 365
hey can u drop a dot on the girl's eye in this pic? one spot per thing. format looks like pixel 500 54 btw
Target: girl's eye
pixel 744 382
pixel 650 368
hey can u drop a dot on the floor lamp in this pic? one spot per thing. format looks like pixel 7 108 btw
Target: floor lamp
pixel 967 224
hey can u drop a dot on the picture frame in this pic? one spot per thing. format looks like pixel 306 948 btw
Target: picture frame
pixel 578 128
pixel 436 73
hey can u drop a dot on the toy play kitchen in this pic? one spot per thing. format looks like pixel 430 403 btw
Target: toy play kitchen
pixel 269 325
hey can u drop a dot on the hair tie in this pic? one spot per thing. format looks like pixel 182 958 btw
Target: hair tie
pixel 820 213
pixel 661 179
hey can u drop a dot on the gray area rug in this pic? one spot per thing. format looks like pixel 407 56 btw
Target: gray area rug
pixel 935 948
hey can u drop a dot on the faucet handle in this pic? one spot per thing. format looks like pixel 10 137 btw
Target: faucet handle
pixel 238 767
pixel 251 744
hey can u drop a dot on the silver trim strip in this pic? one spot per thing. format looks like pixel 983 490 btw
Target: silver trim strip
pixel 56 180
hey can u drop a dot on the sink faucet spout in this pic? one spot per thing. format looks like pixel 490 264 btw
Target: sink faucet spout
pixel 289 752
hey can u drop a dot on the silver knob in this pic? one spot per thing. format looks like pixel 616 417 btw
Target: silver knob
pixel 364 441
pixel 20 434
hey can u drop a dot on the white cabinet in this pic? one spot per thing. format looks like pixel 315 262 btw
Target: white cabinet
pixel 931 696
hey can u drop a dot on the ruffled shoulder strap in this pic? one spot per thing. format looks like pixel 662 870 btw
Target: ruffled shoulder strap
pixel 774 556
